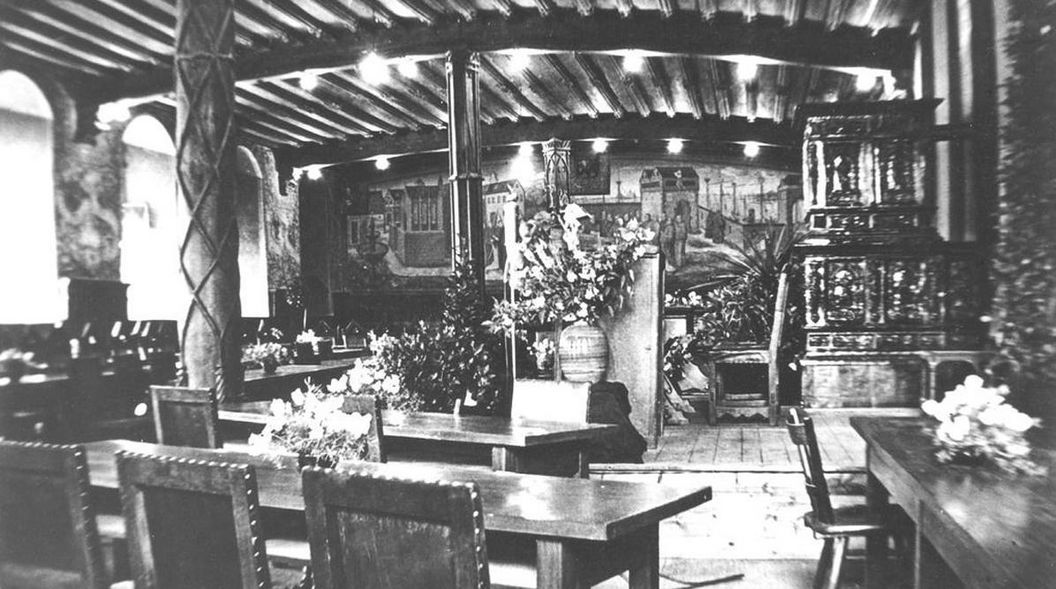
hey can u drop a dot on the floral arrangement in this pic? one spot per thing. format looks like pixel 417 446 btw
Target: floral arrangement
pixel 690 299
pixel 556 280
pixel 264 354
pixel 543 350
pixel 975 423
pixel 308 337
pixel 369 377
pixel 313 424
pixel 14 362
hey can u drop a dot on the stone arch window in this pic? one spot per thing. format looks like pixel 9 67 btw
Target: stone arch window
pixel 30 288
pixel 152 223
pixel 252 253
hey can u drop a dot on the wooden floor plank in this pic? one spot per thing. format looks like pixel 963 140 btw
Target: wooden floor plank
pixel 729 447
pixel 706 446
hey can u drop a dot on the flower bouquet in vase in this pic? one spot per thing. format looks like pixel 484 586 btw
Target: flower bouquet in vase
pixel 976 426
pixel 268 356
pixel 314 426
pixel 305 346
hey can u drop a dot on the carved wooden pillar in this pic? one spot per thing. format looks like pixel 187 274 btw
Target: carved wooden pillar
pixel 463 148
pixel 556 160
pixel 205 158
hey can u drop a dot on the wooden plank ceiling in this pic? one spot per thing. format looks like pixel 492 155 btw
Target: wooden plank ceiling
pixel 547 66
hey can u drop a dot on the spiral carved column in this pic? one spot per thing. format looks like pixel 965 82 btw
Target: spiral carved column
pixel 463 148
pixel 205 156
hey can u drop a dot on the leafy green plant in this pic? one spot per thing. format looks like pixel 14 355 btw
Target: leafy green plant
pixel 440 363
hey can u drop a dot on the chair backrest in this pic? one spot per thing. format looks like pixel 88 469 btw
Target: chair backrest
pixel 185 416
pixel 385 533
pixel 801 430
pixel 369 405
pixel 192 523
pixel 48 536
pixel 550 400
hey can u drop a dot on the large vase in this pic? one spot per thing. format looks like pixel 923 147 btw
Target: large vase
pixel 584 353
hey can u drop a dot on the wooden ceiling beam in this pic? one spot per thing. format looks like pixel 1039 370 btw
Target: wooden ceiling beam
pixel 505 7
pixel 688 76
pixel 565 31
pixel 572 84
pixel 510 89
pixel 421 11
pixel 378 11
pixel 347 115
pixel 655 127
pixel 795 11
pixel 281 116
pixel 89 31
pixel 719 87
pixel 585 7
pixel 667 7
pixel 27 48
pixel 612 70
pixel 540 88
pixel 659 79
pixel 119 24
pixel 465 9
pixel 624 7
pixel 353 91
pixel 781 90
pixel 73 49
pixel 708 9
pixel 545 7
pixel 597 78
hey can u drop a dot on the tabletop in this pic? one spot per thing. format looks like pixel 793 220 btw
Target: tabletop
pixel 446 427
pixel 567 508
pixel 993 529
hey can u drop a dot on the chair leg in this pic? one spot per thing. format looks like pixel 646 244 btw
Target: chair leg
pixel 824 564
pixel 838 552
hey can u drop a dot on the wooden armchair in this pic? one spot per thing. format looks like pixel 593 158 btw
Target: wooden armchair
pixel 749 364
pixel 185 416
pixel 834 525
pixel 364 530
pixel 48 535
pixel 192 523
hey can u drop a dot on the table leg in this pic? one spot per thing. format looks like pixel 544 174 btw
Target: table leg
pixel 505 459
pixel 557 566
pixel 645 573
pixel 876 550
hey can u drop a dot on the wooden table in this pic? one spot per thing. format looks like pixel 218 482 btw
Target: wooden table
pixel 975 523
pixel 585 530
pixel 289 377
pixel 537 447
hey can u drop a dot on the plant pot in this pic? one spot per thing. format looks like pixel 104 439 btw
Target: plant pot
pixel 584 353
pixel 270 365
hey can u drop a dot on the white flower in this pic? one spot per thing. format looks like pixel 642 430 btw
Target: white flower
pixel 1019 422
pixel 338 385
pixel 297 398
pixel 278 408
pixel 957 429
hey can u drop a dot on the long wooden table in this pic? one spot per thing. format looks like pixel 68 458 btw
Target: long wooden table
pixel 289 377
pixel 585 530
pixel 537 447
pixel 975 524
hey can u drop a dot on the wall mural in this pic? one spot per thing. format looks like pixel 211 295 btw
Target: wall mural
pixel 398 231
pixel 88 205
pixel 282 223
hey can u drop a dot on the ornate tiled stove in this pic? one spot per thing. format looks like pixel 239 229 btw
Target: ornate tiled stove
pixel 885 295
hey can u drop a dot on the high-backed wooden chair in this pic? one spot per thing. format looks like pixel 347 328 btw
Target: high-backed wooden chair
pixel 834 525
pixel 743 363
pixel 185 417
pixel 192 523
pixel 286 544
pixel 369 405
pixel 550 400
pixel 48 535
pixel 384 533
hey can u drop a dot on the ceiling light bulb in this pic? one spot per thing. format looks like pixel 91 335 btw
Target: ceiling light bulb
pixel 675 145
pixel 382 163
pixel 633 62
pixel 751 149
pixel 374 69
pixel 308 81
pixel 408 68
pixel 600 145
pixel 747 70
pixel 314 172
pixel 865 82
pixel 526 149
pixel 519 60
